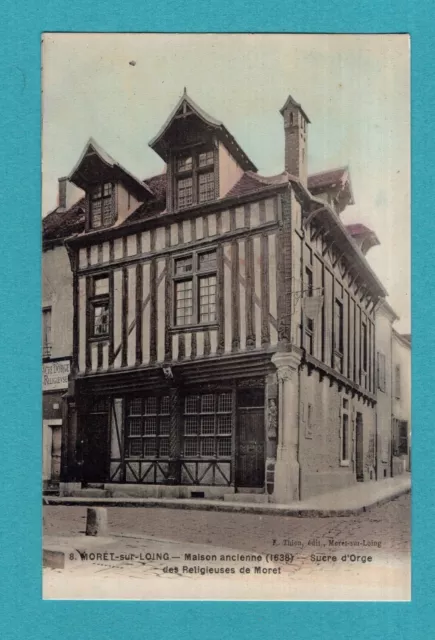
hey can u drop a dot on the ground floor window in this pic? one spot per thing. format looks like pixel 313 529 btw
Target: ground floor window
pixel 148 427
pixel 344 455
pixel 207 422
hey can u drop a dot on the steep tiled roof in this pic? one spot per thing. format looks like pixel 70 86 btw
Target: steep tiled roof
pixel 60 224
pixel 253 183
pixel 325 179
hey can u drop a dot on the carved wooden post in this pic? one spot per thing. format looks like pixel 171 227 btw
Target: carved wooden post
pixel 174 475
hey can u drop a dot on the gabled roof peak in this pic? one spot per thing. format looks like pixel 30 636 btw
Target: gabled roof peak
pixel 186 107
pixel 79 175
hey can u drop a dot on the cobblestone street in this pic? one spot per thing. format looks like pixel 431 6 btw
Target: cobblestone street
pixel 296 555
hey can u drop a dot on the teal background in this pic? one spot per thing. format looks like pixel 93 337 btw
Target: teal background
pixel 24 614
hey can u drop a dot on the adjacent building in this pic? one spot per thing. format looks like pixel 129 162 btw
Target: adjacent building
pixel 401 373
pixel 223 323
pixel 57 327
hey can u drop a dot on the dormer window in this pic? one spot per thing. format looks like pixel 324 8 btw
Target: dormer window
pixel 194 178
pixel 101 207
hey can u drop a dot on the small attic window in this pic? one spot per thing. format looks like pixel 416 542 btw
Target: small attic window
pixel 100 206
pixel 194 178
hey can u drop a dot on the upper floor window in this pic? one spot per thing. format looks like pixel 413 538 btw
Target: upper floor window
pixel 195 288
pixel 195 178
pixel 344 433
pixel 338 335
pixel 46 332
pixel 101 209
pixel 381 371
pixel 397 381
pixel 100 308
pixel 309 321
pixel 364 348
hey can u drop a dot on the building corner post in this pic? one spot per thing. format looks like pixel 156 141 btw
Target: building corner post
pixel 286 488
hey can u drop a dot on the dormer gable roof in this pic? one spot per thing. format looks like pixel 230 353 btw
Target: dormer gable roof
pixel 96 165
pixel 186 107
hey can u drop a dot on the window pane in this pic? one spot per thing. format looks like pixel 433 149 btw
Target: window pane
pixel 184 164
pixel 150 426
pixel 164 426
pixel 224 447
pixel 184 302
pixel 207 447
pixel 207 299
pixel 183 265
pixel 96 214
pixel 345 437
pixel 46 332
pixel 101 286
pixel 101 320
pixel 191 404
pixel 107 211
pixel 107 191
pixel 207 425
pixel 207 403
pixel 135 407
pixel 164 447
pixel 184 190
pixel 206 158
pixel 96 192
pixel 207 260
pixel 149 447
pixel 135 447
pixel 190 425
pixel 151 406
pixel 190 447
pixel 164 405
pixel 135 427
pixel 224 425
pixel 206 186
pixel 225 402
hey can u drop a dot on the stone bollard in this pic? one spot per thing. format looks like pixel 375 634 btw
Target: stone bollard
pixel 96 521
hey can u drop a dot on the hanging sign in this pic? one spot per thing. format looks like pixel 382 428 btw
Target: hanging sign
pixel 55 375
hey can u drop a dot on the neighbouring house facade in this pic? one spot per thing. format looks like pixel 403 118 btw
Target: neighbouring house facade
pixel 57 325
pixel 401 383
pixel 223 323
pixel 385 319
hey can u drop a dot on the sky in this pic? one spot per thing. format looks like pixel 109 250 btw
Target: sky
pixel 354 88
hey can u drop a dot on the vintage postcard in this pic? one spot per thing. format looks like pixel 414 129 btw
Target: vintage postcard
pixel 226 316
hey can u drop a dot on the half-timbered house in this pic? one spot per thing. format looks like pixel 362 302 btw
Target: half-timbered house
pixel 223 326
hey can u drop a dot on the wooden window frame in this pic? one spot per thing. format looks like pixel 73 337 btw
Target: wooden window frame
pixel 397 382
pixel 338 345
pixel 102 199
pixel 344 418
pixel 199 437
pixel 47 347
pixel 194 276
pixel 193 172
pixel 99 300
pixel 309 322
pixel 158 437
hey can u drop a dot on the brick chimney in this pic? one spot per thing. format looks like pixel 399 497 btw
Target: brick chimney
pixel 295 135
pixel 69 194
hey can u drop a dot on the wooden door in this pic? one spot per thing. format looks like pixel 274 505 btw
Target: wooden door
pixel 96 449
pixel 359 448
pixel 56 443
pixel 250 448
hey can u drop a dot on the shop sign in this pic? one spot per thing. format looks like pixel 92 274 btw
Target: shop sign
pixel 55 375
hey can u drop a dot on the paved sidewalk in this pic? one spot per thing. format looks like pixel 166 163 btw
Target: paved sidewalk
pixel 344 502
